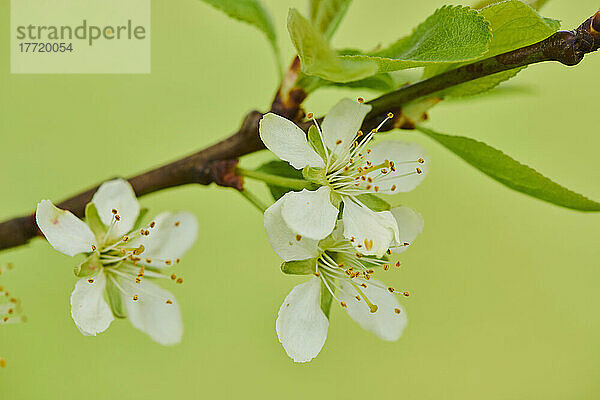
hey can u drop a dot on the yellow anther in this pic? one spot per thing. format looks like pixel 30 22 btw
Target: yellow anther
pixel 179 280
pixel 373 308
pixel 390 115
pixel 309 115
pixel 90 281
pixel 343 304
pixel 397 310
pixel 169 301
pixel 298 238
pixel 361 100
pixel 135 297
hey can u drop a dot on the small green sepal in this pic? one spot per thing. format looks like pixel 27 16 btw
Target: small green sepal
pixel 92 218
pixel 89 267
pixel 115 300
pixel 302 267
pixel 375 203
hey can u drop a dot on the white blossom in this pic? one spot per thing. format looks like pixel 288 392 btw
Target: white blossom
pixel 119 260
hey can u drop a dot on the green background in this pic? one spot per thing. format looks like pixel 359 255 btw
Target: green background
pixel 504 298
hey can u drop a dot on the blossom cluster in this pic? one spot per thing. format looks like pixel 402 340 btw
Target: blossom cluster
pixel 337 232
pixel 340 233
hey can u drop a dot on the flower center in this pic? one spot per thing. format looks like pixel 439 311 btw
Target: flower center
pixel 343 270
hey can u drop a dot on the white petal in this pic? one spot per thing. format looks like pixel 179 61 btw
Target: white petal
pixel 341 124
pixel 285 242
pixel 288 142
pixel 310 213
pixel 386 323
pixel 89 310
pixel 171 237
pixel 152 313
pixel 301 324
pixel 118 195
pixel 410 225
pixel 64 231
pixel 371 232
pixel 406 162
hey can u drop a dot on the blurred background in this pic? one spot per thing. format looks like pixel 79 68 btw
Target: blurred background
pixel 503 287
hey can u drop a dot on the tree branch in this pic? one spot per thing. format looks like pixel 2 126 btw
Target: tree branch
pixel 205 166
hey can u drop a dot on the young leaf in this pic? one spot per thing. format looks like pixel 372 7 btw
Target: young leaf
pixel 451 34
pixel 318 58
pixel 514 25
pixel 253 13
pixel 326 15
pixel 510 172
pixel 280 168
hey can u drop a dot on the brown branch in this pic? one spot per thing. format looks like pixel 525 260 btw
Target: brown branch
pixel 205 167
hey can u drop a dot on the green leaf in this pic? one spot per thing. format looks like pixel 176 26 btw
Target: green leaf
pixel 373 202
pixel 280 168
pixel 302 267
pixel 537 4
pixel 514 25
pixel 89 267
pixel 510 172
pixel 326 15
pixel 326 300
pixel 92 219
pixel 451 34
pixel 318 58
pixel 115 301
pixel 380 82
pixel 253 13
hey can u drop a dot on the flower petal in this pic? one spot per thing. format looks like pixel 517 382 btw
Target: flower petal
pixel 155 312
pixel 171 237
pixel 410 225
pixel 310 213
pixel 301 324
pixel 285 242
pixel 63 230
pixel 341 124
pixel 370 232
pixel 406 158
pixel 288 142
pixel 118 195
pixel 89 310
pixel 387 323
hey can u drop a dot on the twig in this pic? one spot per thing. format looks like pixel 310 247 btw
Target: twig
pixel 566 47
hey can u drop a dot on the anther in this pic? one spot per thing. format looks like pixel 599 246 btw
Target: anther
pixel 388 252
pixel 357 298
pixel 386 267
pixel 125 239
pixel 358 255
pixel 406 294
pixel 343 304
pixel 90 280
pixel 391 289
pixel 390 115
pixel 419 171
pixel 114 211
pixel 361 100
pixel 177 223
pixel 363 285
pixel 397 310
pixel 173 277
pixel 152 224
pixel 338 142
pixel 2 362
pixel 179 280
pixel 148 260
pixel 298 237
pixel 317 274
pixel 135 297
pixel 376 188
pixel 168 262
pixel 373 308
pixel 93 247
pixel 420 161
pixel 393 188
pixel 169 301
pixel 309 115
pixel 178 261
pixel 117 217
pixel 398 263
pixel 139 250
